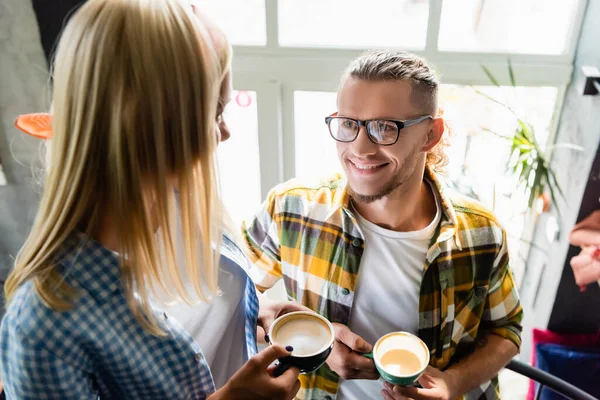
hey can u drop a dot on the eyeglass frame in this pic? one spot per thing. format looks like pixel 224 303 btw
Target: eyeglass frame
pixel 400 124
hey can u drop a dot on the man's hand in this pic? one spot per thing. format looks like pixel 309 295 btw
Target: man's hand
pixel 492 354
pixel 437 385
pixel 346 358
pixel 270 310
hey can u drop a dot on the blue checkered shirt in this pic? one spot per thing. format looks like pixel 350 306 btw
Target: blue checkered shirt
pixel 231 250
pixel 98 349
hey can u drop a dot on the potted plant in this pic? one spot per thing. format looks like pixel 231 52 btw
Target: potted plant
pixel 529 162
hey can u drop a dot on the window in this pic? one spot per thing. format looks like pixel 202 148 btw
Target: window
pixel 348 23
pixel 476 151
pixel 238 157
pixel 520 26
pixel 303 46
pixel 313 141
pixel 291 54
pixel 243 21
pixel 478 157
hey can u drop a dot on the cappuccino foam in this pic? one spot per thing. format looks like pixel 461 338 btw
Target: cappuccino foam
pixel 401 354
pixel 400 362
pixel 306 335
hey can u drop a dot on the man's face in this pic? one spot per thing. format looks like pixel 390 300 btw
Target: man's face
pixel 375 171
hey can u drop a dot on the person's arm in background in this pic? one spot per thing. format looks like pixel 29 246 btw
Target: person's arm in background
pixel 498 341
pixel 586 265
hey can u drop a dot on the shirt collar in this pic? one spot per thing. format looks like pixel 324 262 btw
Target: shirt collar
pixel 448 227
pixel 90 265
pixel 449 222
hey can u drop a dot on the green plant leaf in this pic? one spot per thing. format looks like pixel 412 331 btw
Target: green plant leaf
pixel 490 98
pixel 555 183
pixel 490 76
pixel 526 171
pixel 496 133
pixel 493 100
pixel 511 74
pixel 537 187
pixel 527 131
pixel 554 199
pixel 528 162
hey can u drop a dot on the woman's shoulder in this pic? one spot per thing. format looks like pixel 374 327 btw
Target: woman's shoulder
pixel 29 316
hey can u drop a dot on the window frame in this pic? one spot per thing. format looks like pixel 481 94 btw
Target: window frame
pixel 274 72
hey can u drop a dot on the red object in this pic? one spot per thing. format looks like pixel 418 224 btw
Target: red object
pixel 591 340
pixel 38 125
pixel 243 99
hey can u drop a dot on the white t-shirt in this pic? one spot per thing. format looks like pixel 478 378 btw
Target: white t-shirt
pixel 387 291
pixel 219 326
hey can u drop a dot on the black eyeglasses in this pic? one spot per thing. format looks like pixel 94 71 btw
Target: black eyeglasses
pixel 383 132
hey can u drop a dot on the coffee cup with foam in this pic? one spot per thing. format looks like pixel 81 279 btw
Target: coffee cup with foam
pixel 311 336
pixel 400 358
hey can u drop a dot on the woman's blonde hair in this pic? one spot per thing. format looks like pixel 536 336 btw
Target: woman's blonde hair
pixel 136 86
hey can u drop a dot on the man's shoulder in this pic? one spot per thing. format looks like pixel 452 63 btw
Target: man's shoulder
pixel 309 189
pixel 476 213
pixel 476 221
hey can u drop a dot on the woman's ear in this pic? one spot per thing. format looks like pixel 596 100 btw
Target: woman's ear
pixel 435 134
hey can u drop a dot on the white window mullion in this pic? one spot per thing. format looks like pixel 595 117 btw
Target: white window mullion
pixel 288 133
pixel 270 136
pixel 433 26
pixel 560 101
pixel 272 20
pixel 575 30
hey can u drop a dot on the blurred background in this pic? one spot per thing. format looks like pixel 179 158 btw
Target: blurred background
pixel 513 74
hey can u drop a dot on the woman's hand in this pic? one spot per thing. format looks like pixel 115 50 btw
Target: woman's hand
pixel 586 265
pixel 254 381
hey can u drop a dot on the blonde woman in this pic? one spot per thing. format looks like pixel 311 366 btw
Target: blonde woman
pixel 136 89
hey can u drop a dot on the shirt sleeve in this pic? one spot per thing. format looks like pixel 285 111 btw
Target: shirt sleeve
pixel 262 245
pixel 503 312
pixel 33 372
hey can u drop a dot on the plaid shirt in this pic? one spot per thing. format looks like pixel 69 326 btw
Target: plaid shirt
pixel 309 236
pixel 98 349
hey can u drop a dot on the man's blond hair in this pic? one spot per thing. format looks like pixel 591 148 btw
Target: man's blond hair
pixel 392 65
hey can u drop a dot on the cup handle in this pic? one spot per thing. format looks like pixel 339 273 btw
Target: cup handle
pixel 280 369
pixel 368 355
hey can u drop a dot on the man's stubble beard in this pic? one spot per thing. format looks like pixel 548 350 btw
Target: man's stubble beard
pixel 402 176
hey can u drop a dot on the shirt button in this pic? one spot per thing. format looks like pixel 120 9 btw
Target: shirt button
pixel 327 398
pixel 198 357
pixel 345 291
pixel 356 242
pixel 165 315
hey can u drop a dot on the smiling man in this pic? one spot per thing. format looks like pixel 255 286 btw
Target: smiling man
pixel 387 247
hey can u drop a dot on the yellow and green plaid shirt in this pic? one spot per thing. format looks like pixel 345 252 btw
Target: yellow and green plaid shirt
pixel 309 236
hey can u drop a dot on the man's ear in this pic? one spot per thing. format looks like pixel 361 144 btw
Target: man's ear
pixel 435 134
